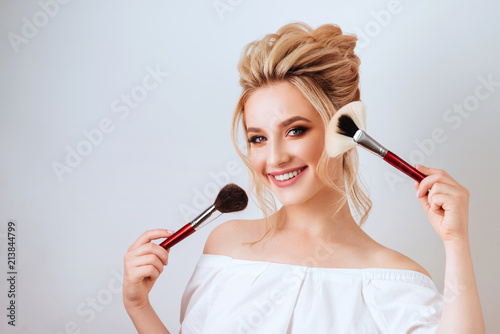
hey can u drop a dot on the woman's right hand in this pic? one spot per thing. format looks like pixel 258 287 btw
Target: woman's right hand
pixel 143 264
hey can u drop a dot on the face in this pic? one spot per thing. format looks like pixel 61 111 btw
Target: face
pixel 286 136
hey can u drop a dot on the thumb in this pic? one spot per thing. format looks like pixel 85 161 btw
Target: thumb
pixel 424 201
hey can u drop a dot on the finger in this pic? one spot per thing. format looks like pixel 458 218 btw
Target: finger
pixel 432 171
pixel 417 184
pixel 433 200
pixel 146 260
pixel 146 271
pixel 443 188
pixel 440 188
pixel 439 202
pixel 151 248
pixel 424 202
pixel 428 170
pixel 150 235
pixel 432 180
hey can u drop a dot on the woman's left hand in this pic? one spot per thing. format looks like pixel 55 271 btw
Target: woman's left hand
pixel 446 204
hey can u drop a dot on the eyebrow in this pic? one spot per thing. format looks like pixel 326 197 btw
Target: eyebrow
pixel 283 124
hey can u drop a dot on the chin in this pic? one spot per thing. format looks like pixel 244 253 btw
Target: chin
pixel 293 200
pixel 293 197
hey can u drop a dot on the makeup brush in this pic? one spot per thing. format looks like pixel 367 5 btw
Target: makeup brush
pixel 231 198
pixel 347 129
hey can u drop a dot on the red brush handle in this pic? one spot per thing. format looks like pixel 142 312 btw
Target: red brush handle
pixel 181 234
pixel 403 166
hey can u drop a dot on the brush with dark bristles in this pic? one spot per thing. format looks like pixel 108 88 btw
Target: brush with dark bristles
pixel 231 198
pixel 347 129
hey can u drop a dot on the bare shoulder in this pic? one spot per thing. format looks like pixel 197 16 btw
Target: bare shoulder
pixel 389 258
pixel 227 238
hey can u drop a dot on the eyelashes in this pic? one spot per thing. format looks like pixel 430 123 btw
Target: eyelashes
pixel 254 139
pixel 294 132
pixel 300 129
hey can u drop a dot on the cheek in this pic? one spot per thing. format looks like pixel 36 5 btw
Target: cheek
pixel 312 149
pixel 256 159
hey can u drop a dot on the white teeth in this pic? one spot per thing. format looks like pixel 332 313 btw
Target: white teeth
pixel 287 176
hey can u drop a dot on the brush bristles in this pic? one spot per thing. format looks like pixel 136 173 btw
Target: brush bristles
pixel 342 127
pixel 346 126
pixel 231 198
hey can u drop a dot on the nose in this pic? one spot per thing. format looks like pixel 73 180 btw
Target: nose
pixel 278 154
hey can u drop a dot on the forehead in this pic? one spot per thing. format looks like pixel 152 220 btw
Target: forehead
pixel 270 105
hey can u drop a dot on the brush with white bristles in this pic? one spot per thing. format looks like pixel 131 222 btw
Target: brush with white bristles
pixel 347 129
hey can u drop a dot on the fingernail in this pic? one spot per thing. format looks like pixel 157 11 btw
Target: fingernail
pixel 170 231
pixel 418 193
pixel 419 165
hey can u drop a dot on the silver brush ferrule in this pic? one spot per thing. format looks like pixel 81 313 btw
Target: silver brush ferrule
pixel 198 222
pixel 363 139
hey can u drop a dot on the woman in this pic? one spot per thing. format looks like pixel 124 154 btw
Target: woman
pixel 309 267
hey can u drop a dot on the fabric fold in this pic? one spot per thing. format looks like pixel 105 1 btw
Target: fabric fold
pixel 228 295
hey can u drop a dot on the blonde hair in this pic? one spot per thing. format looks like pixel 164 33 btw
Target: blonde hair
pixel 321 63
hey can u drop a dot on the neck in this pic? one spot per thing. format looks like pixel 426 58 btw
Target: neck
pixel 316 219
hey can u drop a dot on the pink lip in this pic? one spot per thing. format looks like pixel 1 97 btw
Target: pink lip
pixel 287 182
pixel 286 171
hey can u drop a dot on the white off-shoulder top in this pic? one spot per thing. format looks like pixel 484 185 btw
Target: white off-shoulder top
pixel 227 295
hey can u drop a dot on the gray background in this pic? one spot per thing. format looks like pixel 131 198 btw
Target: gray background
pixel 159 163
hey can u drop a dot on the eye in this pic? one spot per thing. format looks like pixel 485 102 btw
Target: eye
pixel 257 139
pixel 297 131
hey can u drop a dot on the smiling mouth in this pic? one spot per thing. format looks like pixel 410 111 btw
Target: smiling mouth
pixel 288 176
